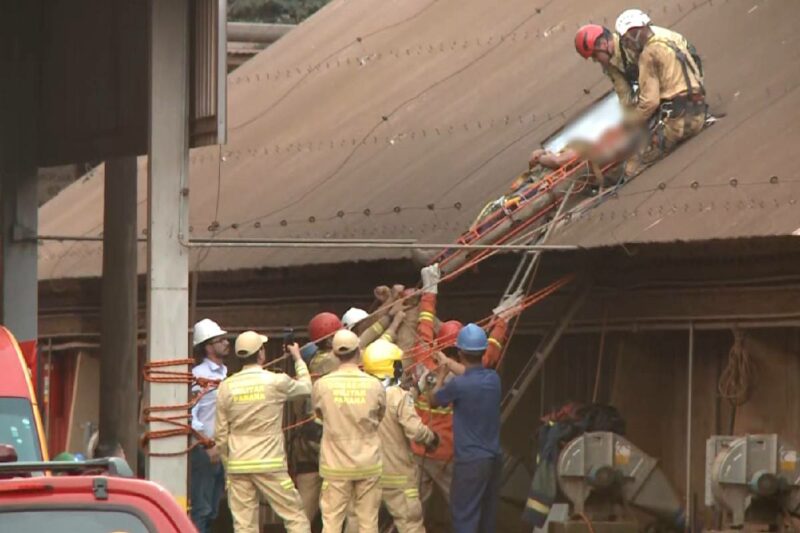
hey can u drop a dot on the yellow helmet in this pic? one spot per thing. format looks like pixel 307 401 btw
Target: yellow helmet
pixel 379 358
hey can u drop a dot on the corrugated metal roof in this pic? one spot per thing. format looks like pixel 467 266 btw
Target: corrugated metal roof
pixel 402 118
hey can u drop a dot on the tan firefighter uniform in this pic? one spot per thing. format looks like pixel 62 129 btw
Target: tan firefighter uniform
pixel 249 436
pixel 399 479
pixel 671 94
pixel 305 451
pixel 351 405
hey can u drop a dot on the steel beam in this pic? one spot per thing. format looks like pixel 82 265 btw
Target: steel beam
pixel 119 395
pixel 540 355
pixel 167 213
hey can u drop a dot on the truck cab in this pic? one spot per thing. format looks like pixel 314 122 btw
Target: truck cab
pixel 20 421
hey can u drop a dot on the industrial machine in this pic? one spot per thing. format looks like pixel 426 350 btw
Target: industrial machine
pixel 754 480
pixel 605 478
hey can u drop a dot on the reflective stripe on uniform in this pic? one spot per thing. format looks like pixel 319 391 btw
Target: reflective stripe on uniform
pixel 377 327
pixel 495 342
pixel 350 473
pixel 539 507
pixel 387 337
pixel 255 467
pixel 423 406
pixel 411 493
pixel 287 484
pixel 425 315
pixel 389 480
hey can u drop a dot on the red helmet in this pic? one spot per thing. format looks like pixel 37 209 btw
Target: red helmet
pixel 323 325
pixel 448 331
pixel 586 39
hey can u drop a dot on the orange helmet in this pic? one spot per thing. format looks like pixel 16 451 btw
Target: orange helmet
pixel 323 325
pixel 586 39
pixel 448 331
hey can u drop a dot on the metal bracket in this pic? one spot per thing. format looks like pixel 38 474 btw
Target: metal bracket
pixel 100 488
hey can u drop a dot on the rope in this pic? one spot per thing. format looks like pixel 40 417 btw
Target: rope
pixel 180 419
pixel 735 382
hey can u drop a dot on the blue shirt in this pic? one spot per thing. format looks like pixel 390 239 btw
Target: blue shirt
pixel 204 413
pixel 475 396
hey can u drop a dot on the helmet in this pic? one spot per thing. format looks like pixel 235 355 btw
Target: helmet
pixel 631 18
pixel 472 338
pixel 379 358
pixel 323 325
pixel 204 330
pixel 308 351
pixel 448 332
pixel 586 39
pixel 65 456
pixel 353 316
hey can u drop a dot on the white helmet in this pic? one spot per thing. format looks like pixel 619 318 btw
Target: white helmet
pixel 204 330
pixel 631 18
pixel 353 316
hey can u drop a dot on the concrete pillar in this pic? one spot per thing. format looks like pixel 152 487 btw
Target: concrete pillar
pixel 119 373
pixel 167 213
pixel 18 162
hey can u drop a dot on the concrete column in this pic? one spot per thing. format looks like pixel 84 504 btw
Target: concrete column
pixel 20 213
pixel 168 260
pixel 18 162
pixel 119 373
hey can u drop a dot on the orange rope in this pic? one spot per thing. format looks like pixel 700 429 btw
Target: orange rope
pixel 154 373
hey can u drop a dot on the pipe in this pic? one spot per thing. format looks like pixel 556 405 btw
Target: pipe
pixel 252 32
pixel 402 244
pixel 689 401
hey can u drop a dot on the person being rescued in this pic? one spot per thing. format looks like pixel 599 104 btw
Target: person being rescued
pixel 671 106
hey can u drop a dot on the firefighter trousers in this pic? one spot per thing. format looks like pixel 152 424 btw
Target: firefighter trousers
pixel 278 490
pixel 406 509
pixel 337 495
pixel 309 485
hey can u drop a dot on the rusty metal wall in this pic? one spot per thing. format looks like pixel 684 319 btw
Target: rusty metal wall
pixel 208 76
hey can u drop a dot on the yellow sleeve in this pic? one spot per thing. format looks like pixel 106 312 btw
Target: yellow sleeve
pixel 621 87
pixel 413 427
pixel 221 427
pixel 649 83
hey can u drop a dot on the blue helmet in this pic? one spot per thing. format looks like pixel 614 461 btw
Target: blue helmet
pixel 472 338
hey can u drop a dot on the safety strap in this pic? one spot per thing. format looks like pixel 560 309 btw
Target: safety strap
pixel 685 66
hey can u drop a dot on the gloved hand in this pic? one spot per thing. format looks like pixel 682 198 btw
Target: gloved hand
pixel 430 278
pixel 507 307
pixel 432 445
pixel 423 381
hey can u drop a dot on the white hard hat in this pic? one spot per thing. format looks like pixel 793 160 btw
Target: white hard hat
pixel 204 330
pixel 631 18
pixel 353 316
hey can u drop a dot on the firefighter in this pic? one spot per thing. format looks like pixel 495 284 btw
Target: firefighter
pixel 351 405
pixel 436 467
pixel 401 424
pixel 620 62
pixel 249 435
pixel 210 347
pixel 475 397
pixel 671 103
pixel 306 441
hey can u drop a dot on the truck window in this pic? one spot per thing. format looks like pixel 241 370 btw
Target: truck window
pixel 18 428
pixel 83 520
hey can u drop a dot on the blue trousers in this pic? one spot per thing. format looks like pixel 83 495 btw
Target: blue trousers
pixel 474 492
pixel 205 489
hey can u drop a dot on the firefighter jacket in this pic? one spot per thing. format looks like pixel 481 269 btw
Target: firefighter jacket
pixel 440 419
pixel 400 425
pixel 249 424
pixel 351 405
pixel 666 71
pixel 623 74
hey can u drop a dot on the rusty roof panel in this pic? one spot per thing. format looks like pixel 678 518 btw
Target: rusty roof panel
pixel 402 119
